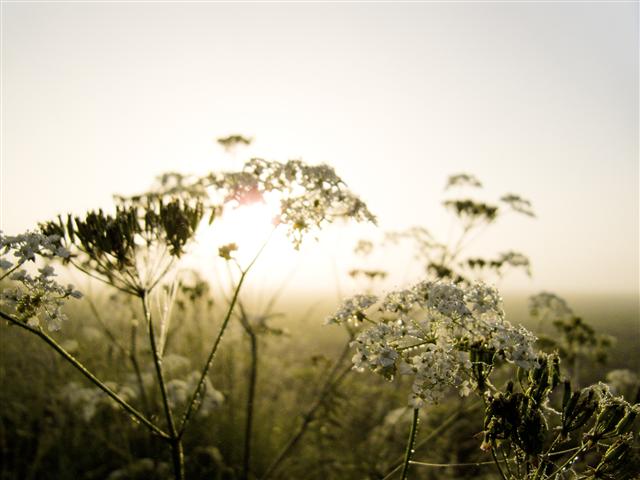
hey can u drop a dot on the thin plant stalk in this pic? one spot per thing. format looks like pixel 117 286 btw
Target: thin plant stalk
pixel 333 379
pixel 448 422
pixel 253 374
pixel 131 353
pixel 251 393
pixel 410 443
pixel 174 439
pixel 214 348
pixel 497 463
pixel 133 357
pixel 198 390
pixel 569 461
pixel 73 361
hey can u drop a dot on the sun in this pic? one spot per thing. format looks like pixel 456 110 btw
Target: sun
pixel 249 226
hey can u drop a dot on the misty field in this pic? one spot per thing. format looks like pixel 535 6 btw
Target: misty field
pixel 147 369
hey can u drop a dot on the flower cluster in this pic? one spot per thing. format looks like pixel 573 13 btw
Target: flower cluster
pixel 518 204
pixel 38 296
pixel 133 248
pixel 179 392
pixel 505 259
pixel 549 306
pixel 25 247
pixel 519 417
pixel 309 195
pixel 353 309
pixel 462 179
pixel 90 400
pixel 572 337
pixel 442 334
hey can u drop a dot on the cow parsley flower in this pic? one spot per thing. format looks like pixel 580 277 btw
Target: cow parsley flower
pixel 483 299
pixel 309 196
pixel 549 306
pixel 33 297
pixel 431 331
pixel 448 300
pixel 352 309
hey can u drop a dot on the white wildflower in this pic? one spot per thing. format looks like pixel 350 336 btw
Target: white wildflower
pixel 398 301
pixel 39 297
pixel 352 309
pixel 448 300
pixel 179 392
pixel 483 299
pixel 430 331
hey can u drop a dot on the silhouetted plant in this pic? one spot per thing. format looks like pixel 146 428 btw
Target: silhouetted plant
pixel 134 249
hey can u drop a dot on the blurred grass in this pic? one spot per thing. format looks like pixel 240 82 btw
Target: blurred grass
pixel 359 433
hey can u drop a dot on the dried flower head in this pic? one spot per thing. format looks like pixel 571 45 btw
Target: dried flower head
pixel 309 196
pixel 462 179
pixel 133 248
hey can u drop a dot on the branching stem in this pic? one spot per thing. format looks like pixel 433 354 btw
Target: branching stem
pixel 410 443
pixel 174 438
pixel 73 361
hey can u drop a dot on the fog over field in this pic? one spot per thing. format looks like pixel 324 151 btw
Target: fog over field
pixel 535 99
pixel 319 240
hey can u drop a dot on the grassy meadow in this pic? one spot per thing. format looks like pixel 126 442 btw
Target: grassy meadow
pixel 151 371
pixel 357 433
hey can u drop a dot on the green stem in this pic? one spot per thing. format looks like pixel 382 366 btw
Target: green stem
pixel 253 375
pixel 543 462
pixel 569 460
pixel 174 439
pixel 198 390
pixel 334 377
pixel 11 270
pixel 72 360
pixel 410 443
pixel 130 291
pixel 133 357
pixel 449 421
pixel 130 353
pixel 506 463
pixel 497 462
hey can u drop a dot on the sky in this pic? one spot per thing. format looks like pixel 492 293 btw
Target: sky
pixel 539 99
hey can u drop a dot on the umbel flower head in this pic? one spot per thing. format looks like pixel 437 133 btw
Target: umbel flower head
pixel 133 248
pixel 308 195
pixel 33 297
pixel 444 335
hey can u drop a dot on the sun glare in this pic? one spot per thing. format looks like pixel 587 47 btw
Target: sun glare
pixel 249 227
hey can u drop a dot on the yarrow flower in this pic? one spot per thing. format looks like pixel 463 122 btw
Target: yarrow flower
pixel 431 332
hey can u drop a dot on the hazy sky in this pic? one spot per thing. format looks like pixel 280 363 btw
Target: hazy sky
pixel 540 99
